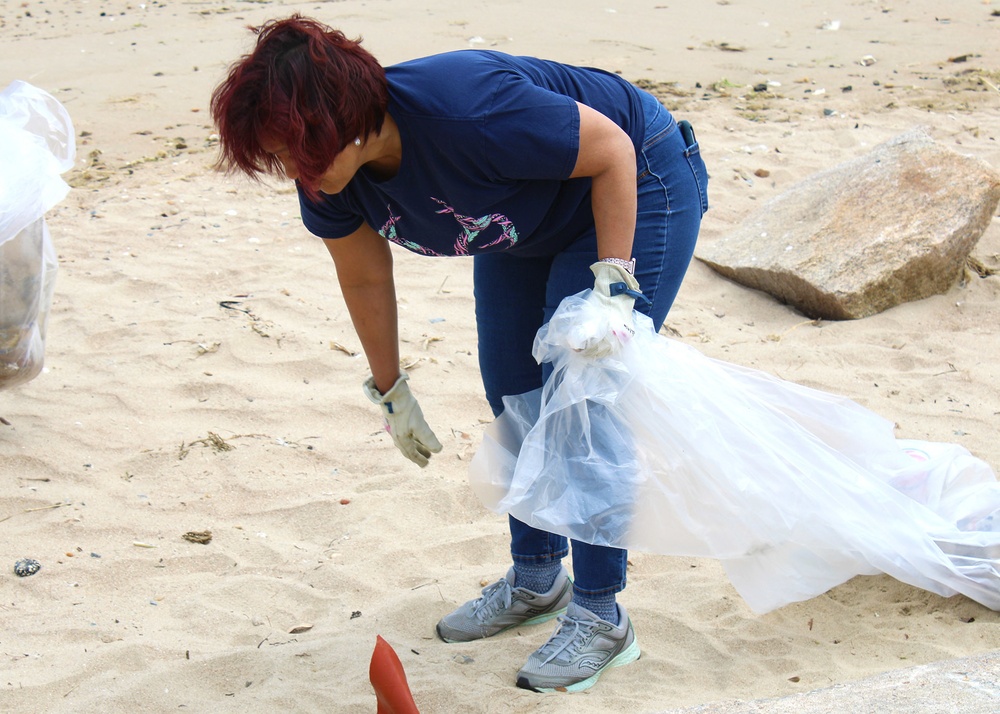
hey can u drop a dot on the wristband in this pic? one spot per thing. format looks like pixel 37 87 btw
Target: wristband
pixel 628 265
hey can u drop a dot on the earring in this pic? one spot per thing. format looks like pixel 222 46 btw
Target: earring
pixel 357 141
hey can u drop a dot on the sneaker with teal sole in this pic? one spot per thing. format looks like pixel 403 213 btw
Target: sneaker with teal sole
pixel 503 606
pixel 582 648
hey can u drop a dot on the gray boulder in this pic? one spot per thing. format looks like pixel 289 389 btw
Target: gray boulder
pixel 892 226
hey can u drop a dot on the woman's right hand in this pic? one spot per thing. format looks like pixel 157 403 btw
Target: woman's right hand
pixel 404 420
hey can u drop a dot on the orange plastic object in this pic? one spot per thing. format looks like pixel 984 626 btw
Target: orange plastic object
pixel 389 680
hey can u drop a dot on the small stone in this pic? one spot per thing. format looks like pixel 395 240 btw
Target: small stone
pixel 26 566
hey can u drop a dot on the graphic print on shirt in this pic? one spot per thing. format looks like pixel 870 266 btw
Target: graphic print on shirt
pixel 389 232
pixel 472 227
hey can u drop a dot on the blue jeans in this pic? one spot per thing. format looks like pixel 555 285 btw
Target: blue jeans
pixel 516 295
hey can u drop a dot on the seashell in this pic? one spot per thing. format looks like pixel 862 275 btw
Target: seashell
pixel 25 567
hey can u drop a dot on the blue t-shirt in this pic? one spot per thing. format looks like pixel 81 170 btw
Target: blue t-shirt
pixel 489 141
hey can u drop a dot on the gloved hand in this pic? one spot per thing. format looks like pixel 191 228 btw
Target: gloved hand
pixel 615 291
pixel 404 421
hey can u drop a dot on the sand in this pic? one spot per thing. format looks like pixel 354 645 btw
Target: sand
pixel 201 371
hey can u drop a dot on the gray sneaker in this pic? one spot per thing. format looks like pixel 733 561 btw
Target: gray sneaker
pixel 502 606
pixel 579 651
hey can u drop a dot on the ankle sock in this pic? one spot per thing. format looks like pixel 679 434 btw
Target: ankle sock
pixel 536 578
pixel 604 606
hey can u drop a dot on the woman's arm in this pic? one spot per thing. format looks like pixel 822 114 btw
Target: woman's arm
pixel 608 158
pixel 364 270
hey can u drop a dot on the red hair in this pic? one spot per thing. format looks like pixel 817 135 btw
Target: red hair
pixel 304 84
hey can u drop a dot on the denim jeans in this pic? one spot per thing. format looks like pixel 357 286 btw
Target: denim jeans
pixel 516 295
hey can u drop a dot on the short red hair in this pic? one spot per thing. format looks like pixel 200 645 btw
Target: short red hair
pixel 305 84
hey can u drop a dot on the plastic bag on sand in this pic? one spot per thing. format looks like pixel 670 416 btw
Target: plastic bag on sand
pixel 664 450
pixel 36 145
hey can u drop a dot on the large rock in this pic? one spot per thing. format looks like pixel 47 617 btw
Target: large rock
pixel 893 226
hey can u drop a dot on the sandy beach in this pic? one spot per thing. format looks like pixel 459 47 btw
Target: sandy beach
pixel 202 373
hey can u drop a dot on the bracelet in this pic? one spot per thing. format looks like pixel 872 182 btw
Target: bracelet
pixel 628 265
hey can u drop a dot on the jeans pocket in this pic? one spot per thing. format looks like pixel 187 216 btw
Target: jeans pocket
pixel 652 140
pixel 649 143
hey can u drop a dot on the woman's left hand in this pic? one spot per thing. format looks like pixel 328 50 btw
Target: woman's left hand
pixel 615 291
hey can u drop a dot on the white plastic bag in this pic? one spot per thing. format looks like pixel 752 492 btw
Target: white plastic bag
pixel 664 450
pixel 36 146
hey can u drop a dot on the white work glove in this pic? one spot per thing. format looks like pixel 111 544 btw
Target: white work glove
pixel 404 421
pixel 615 291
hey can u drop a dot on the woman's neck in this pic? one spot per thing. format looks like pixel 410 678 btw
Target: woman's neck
pixel 385 150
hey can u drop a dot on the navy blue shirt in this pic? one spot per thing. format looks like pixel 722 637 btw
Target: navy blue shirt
pixel 489 141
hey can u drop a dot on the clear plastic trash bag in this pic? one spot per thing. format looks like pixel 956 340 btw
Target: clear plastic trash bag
pixel 664 450
pixel 36 146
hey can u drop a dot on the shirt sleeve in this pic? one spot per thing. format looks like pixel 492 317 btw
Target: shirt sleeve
pixel 329 217
pixel 531 132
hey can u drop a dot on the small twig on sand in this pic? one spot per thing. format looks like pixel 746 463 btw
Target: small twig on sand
pixel 32 510
pixel 778 338
pixel 47 508
pixel 951 370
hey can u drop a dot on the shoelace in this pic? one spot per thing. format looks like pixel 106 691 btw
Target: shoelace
pixel 495 597
pixel 568 638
